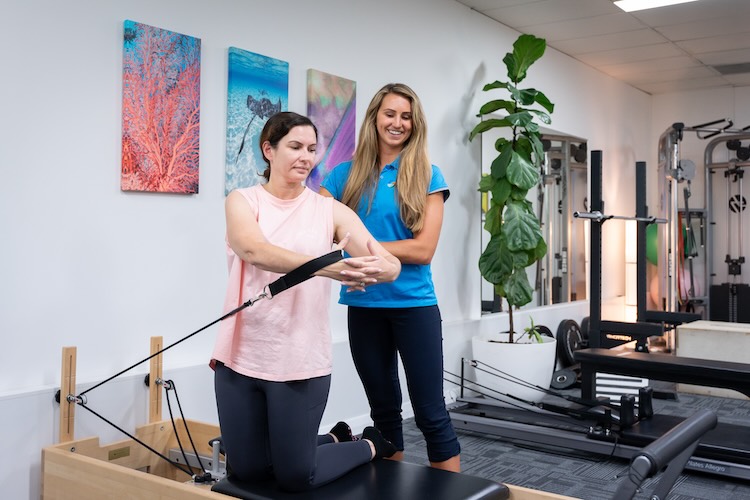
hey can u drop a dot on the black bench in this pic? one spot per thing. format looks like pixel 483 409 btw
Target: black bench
pixel 659 366
pixel 378 480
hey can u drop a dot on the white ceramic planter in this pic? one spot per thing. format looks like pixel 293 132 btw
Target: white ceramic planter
pixel 529 362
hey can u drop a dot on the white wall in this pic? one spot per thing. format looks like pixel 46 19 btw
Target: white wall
pixel 85 264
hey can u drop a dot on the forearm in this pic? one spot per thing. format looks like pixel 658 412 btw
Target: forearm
pixel 269 257
pixel 410 251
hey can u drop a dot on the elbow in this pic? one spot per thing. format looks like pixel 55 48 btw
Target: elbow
pixel 424 260
pixel 248 256
pixel 423 257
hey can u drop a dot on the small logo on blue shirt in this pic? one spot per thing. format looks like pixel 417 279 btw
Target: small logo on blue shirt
pixel 391 184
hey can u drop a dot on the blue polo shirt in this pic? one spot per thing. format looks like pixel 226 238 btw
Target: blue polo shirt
pixel 413 287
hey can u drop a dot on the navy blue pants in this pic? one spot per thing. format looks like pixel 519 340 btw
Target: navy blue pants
pixel 270 429
pixel 376 337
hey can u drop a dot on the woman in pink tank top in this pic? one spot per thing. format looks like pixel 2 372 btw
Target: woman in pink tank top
pixel 272 361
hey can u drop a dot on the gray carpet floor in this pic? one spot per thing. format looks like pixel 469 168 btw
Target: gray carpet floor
pixel 589 477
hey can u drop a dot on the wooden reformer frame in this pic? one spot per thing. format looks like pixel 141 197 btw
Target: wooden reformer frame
pixel 83 469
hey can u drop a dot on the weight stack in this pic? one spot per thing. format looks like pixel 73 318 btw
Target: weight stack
pixel 722 303
pixel 730 302
pixel 743 303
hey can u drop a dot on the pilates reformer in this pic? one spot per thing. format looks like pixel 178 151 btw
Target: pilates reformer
pixel 148 464
pixel 82 469
pixel 597 426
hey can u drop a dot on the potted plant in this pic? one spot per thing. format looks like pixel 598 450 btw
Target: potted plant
pixel 516 239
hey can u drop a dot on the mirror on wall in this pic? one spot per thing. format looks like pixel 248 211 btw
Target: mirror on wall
pixel 561 275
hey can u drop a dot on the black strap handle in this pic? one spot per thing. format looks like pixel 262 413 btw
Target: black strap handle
pixel 304 272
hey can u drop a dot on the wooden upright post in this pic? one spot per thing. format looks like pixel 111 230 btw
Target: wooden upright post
pixel 154 389
pixel 67 386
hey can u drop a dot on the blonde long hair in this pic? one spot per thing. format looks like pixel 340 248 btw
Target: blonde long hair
pixel 414 171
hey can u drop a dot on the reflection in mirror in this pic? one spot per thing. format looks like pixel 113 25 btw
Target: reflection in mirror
pixel 561 275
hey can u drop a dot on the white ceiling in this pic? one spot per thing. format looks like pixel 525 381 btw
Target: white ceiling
pixel 703 44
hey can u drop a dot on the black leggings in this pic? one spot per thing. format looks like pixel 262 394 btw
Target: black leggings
pixel 377 336
pixel 270 429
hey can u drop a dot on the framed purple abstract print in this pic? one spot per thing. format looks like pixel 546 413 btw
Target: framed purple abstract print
pixel 258 87
pixel 331 105
pixel 160 110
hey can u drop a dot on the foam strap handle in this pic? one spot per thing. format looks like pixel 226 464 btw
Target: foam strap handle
pixel 304 272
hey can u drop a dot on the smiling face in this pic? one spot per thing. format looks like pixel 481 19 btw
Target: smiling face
pixel 394 122
pixel 293 158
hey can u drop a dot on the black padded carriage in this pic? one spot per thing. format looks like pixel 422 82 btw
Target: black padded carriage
pixel 377 480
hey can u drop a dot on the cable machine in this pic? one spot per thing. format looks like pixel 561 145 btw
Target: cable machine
pixel 561 275
pixel 681 285
pixel 729 296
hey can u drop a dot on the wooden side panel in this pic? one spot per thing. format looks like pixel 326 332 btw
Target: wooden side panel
pixel 71 476
pixel 155 390
pixel 68 386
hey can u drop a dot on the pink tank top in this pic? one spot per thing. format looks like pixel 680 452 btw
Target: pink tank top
pixel 287 337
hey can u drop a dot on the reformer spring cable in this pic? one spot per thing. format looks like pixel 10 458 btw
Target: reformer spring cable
pixel 294 277
pixel 511 378
pixel 82 405
pixel 566 422
pixel 169 385
pixel 581 428
pixel 230 313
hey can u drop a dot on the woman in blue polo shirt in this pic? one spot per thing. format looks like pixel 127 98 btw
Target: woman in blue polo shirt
pixel 399 195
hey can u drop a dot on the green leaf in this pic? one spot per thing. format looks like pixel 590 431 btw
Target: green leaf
pixel 527 97
pixel 522 230
pixel 518 292
pixel 521 171
pixel 520 119
pixel 495 263
pixel 521 259
pixel 486 183
pixel 536 146
pixel 523 146
pixel 526 50
pixel 492 106
pixel 518 194
pixel 540 250
pixel 544 117
pixel 501 191
pixel 497 84
pixel 493 219
pixel 542 100
pixel 500 142
pixel 499 166
pixel 486 125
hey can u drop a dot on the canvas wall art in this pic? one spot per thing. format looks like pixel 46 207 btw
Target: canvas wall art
pixel 331 105
pixel 258 87
pixel 160 110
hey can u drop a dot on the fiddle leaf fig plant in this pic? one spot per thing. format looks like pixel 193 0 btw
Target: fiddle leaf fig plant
pixel 516 239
